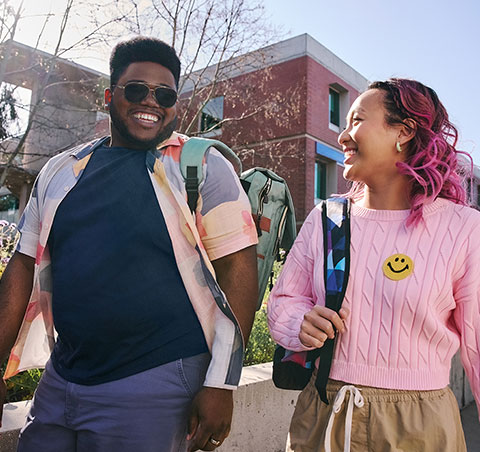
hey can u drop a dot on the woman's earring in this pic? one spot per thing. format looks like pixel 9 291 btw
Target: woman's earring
pixel 399 148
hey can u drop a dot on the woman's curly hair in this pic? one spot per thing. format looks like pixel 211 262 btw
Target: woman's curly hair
pixel 431 162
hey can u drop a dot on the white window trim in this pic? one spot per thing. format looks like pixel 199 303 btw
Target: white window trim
pixel 333 127
pixel 344 105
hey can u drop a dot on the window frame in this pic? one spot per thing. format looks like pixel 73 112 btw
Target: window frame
pixel 336 105
pixel 317 190
pixel 217 129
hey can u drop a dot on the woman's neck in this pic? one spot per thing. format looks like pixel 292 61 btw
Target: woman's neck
pixel 392 195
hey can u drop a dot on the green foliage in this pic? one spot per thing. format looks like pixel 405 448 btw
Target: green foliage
pixel 22 386
pixel 260 347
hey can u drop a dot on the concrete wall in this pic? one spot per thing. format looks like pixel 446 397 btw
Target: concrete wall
pixel 66 117
pixel 262 413
pixel 14 415
pixel 459 383
pixel 261 416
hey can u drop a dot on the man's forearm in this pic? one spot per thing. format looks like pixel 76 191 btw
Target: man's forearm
pixel 211 412
pixel 15 289
pixel 237 277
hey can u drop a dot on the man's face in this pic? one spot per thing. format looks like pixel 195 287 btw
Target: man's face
pixel 143 124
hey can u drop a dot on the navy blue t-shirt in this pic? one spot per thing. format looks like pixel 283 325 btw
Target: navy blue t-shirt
pixel 119 303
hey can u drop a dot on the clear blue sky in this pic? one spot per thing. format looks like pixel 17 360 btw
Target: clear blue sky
pixel 435 42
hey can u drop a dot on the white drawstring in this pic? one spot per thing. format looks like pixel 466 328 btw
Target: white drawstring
pixel 355 398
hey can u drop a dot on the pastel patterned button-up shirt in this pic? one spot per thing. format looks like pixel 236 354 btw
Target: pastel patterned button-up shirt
pixel 222 226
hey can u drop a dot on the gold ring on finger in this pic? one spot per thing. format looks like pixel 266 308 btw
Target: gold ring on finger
pixel 215 442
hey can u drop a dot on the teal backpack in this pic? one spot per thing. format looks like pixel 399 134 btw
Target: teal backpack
pixel 272 206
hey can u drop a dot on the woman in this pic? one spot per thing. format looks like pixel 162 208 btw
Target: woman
pixel 413 295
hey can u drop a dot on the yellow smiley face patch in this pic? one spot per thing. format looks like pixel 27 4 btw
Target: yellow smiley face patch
pixel 397 267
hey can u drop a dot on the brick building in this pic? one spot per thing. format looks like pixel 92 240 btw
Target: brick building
pixel 301 92
pixel 281 107
pixel 473 188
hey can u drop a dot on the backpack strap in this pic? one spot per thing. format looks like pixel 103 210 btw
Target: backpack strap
pixel 336 246
pixel 191 164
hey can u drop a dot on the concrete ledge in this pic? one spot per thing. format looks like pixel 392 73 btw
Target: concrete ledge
pixel 14 415
pixel 261 415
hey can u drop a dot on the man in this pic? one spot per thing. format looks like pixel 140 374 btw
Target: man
pixel 111 259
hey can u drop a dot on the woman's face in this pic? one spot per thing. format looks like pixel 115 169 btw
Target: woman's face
pixel 368 142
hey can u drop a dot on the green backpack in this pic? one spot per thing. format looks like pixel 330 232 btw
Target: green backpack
pixel 272 206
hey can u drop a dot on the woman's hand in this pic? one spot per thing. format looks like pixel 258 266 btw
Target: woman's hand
pixel 320 324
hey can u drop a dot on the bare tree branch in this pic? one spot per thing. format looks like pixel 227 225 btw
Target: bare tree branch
pixel 38 102
pixel 212 38
pixel 12 31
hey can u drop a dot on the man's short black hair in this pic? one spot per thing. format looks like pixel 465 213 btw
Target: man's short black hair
pixel 141 49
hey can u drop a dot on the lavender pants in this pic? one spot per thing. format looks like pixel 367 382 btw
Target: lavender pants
pixel 145 412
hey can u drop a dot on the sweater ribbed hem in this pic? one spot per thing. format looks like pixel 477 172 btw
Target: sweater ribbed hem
pixel 396 215
pixel 391 378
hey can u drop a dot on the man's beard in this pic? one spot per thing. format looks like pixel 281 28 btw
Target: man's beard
pixel 136 143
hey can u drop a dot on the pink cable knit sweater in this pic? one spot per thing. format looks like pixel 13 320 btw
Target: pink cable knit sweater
pixel 400 334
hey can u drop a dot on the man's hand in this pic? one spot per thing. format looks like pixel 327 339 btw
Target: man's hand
pixel 3 395
pixel 210 418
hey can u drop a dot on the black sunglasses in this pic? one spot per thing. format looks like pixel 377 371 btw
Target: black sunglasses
pixel 135 92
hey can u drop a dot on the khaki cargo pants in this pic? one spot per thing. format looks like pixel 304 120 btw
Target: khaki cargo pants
pixel 387 421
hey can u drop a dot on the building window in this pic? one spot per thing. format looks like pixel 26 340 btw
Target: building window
pixel 334 107
pixel 320 181
pixel 478 195
pixel 18 99
pixel 8 206
pixel 327 163
pixel 211 116
pixel 338 105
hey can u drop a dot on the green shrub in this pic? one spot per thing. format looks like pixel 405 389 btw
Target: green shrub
pixel 22 386
pixel 260 346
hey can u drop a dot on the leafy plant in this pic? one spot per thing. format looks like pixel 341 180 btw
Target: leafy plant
pixel 23 385
pixel 260 346
pixel 9 236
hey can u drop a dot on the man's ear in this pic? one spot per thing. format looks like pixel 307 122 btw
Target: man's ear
pixel 107 98
pixel 408 130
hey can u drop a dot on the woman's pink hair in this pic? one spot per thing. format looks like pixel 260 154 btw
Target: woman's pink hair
pixel 431 161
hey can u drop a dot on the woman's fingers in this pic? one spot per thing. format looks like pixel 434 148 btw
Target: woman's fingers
pixel 326 319
pixel 310 341
pixel 321 323
pixel 344 313
pixel 311 336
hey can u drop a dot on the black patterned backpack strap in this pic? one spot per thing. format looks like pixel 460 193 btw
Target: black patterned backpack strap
pixel 336 245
